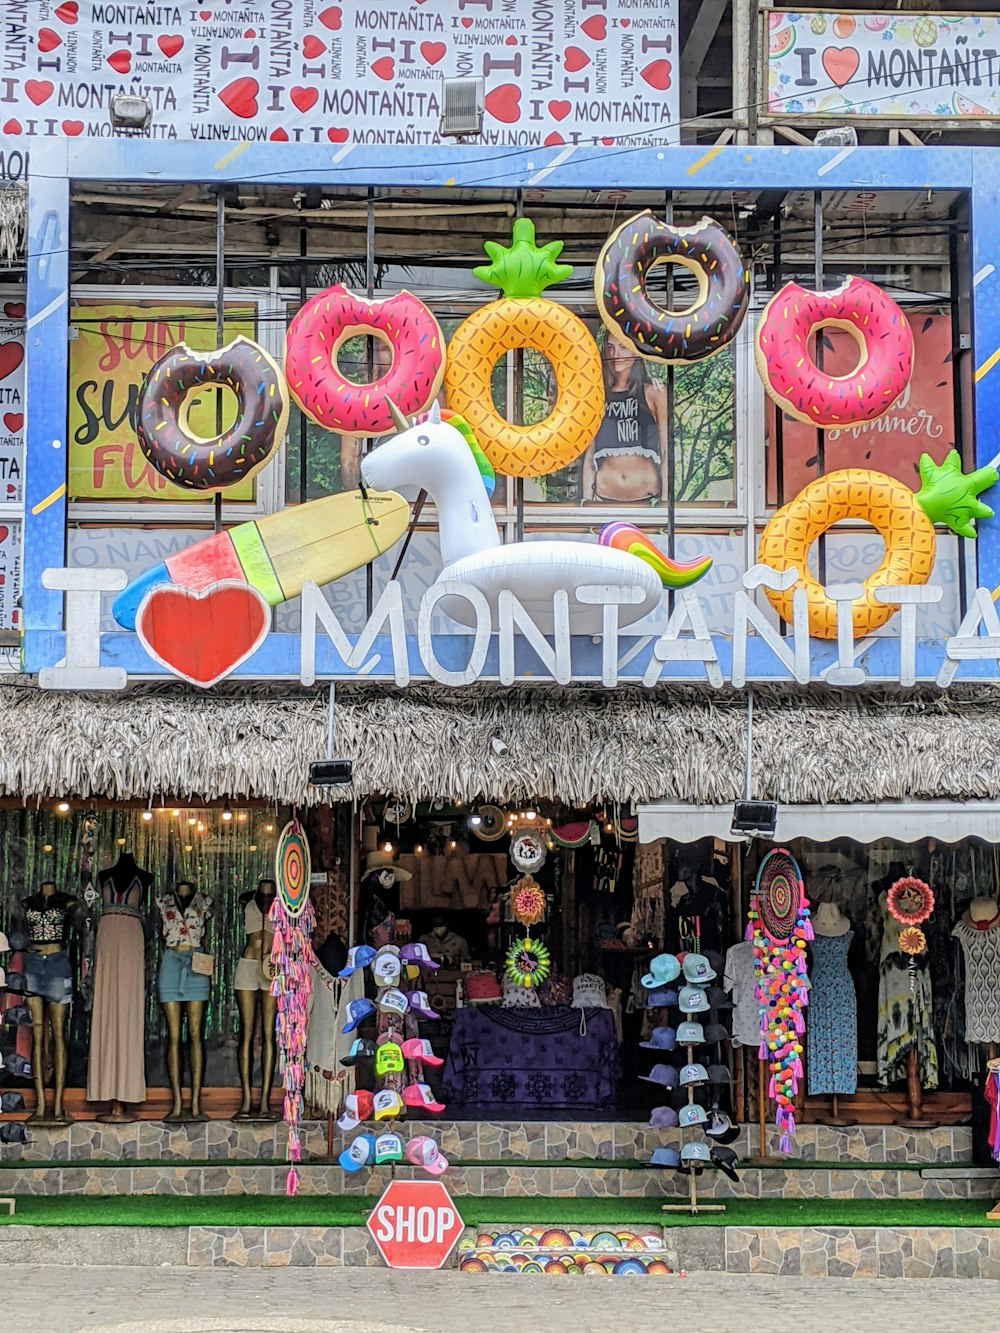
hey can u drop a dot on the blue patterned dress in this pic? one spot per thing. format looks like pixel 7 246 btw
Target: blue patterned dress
pixel 832 1018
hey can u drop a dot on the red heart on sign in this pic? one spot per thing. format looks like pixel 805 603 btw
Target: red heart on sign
pixel 466 23
pixel 170 44
pixel 330 18
pixel 205 14
pixel 14 309
pixel 304 98
pixel 240 97
pixel 12 127
pixel 48 40
pixel 38 92
pixel 841 65
pixel 432 52
pixel 559 110
pixel 596 27
pixel 312 47
pixel 72 128
pixel 512 41
pixel 13 420
pixel 384 68
pixel 625 23
pixel 575 59
pixel 11 356
pixel 338 136
pixel 657 75
pixel 504 103
pixel 251 33
pixel 553 140
pixel 203 636
pixel 67 13
pixel 279 136
pixel 121 61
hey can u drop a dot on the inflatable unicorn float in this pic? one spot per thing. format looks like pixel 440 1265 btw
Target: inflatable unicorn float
pixel 442 458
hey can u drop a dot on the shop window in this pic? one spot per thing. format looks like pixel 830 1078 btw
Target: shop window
pixel 922 421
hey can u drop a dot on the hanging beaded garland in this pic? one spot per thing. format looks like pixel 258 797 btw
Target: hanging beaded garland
pixel 779 927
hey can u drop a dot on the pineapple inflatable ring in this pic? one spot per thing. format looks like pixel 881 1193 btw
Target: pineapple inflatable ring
pixel 904 521
pixel 521 318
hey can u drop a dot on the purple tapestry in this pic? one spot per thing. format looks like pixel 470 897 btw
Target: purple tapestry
pixel 533 1060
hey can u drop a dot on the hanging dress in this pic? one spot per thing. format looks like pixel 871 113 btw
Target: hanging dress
pixel 115 1070
pixel 982 970
pixel 905 1016
pixel 832 1050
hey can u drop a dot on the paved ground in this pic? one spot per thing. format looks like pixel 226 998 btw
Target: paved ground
pixel 178 1300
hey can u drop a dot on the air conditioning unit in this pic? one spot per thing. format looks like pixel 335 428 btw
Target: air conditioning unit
pixel 755 819
pixel 462 105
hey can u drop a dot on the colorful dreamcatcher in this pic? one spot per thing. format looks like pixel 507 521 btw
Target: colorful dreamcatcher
pixel 527 902
pixel 293 919
pixel 779 927
pixel 910 902
pixel 492 823
pixel 528 963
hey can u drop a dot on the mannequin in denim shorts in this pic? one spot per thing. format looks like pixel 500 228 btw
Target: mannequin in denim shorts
pixel 48 916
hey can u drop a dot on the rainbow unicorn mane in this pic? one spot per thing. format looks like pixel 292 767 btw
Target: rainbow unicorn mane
pixel 674 574
pixel 482 462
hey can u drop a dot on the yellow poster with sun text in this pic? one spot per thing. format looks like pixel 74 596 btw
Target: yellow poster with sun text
pixel 114 344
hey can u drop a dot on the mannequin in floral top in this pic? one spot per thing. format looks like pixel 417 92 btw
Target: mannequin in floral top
pixel 185 916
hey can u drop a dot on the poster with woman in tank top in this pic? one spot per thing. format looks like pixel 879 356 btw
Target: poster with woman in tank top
pixel 627 461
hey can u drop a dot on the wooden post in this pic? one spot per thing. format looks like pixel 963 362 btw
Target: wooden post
pixel 761 1107
pixel 329 1134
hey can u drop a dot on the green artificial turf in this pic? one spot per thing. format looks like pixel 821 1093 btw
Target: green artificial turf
pixel 265 1210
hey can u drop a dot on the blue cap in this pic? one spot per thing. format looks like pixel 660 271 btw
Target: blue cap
pixel 360 1153
pixel 663 969
pixel 665 1075
pixel 669 1157
pixel 660 1039
pixel 660 999
pixel 357 1012
pixel 362 955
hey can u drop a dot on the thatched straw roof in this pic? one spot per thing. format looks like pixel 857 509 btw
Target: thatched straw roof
pixel 572 746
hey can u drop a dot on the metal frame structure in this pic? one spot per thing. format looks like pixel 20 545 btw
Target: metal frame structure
pixel 974 172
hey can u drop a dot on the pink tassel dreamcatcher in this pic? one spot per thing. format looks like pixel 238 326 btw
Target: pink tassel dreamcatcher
pixel 293 919
pixel 780 929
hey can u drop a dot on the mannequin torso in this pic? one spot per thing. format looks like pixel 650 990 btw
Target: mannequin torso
pixel 47 916
pixel 125 884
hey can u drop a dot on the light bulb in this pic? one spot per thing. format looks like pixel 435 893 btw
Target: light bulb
pixel 419 849
pixel 201 827
pixel 608 828
pixel 227 814
pixel 188 847
pixel 175 814
pixel 63 807
pixel 147 815
pixel 47 847
pixel 529 814
pixel 253 847
pixel 120 841
pixel 475 821
pixel 387 847
pixel 192 820
pixel 459 804
pixel 452 845
pixel 268 828
pixel 242 816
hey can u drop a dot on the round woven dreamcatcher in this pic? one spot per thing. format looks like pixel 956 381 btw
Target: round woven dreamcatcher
pixel 527 902
pixel 492 823
pixel 779 895
pixel 910 901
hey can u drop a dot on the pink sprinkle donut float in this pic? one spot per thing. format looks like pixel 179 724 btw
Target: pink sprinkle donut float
pixel 317 332
pixel 791 376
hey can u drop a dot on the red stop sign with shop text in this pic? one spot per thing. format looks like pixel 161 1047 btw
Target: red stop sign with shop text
pixel 415 1224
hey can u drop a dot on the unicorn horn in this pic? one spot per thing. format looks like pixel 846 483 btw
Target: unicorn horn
pixel 399 421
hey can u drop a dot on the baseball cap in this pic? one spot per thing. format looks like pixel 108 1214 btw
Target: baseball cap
pixel 419 1094
pixel 389 1058
pixel 690 1033
pixel 419 1048
pixel 361 1049
pixel 663 969
pixel 357 1107
pixel 14 1132
pixel 721 1128
pixel 693 1074
pixel 692 1000
pixel 725 1159
pixel 421 1005
pixel 358 957
pixel 668 1157
pixel 665 1075
pixel 386 969
pixel 3 978
pixel 388 1105
pixel 719 1074
pixel 692 1114
pixel 660 1039
pixel 695 1152
pixel 17 1065
pixel 360 1152
pixel 418 953
pixel 391 1001
pixel 697 969
pixel 716 1032
pixel 388 1148
pixel 357 1012
pixel 718 999
pixel 663 1117
pixel 424 1152
pixel 661 999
